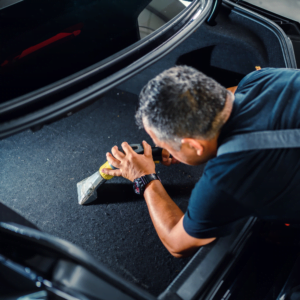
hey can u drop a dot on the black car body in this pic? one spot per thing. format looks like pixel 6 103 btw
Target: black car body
pixel 234 38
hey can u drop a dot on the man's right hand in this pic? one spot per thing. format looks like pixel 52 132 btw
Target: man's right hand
pixel 166 160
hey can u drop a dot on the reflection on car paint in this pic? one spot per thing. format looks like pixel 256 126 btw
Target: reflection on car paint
pixel 65 35
pixel 36 51
pixel 7 3
pixel 158 13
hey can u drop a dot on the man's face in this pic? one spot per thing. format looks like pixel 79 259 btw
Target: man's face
pixel 187 154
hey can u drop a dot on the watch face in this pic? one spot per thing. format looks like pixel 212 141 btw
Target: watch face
pixel 139 184
pixel 136 187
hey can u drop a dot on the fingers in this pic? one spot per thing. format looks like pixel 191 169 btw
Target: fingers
pixel 147 149
pixel 117 173
pixel 167 163
pixel 127 149
pixel 165 155
pixel 175 161
pixel 113 161
pixel 166 160
pixel 116 153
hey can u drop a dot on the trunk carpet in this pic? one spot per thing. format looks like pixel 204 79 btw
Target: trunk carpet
pixel 38 177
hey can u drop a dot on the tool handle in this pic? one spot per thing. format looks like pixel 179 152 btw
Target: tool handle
pixel 157 154
pixel 138 148
pixel 156 151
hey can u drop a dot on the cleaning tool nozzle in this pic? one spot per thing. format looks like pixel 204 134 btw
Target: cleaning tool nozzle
pixel 87 188
pixel 106 166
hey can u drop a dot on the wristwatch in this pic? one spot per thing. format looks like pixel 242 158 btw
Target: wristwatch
pixel 139 184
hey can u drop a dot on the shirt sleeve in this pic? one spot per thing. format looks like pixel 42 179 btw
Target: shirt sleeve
pixel 251 78
pixel 211 211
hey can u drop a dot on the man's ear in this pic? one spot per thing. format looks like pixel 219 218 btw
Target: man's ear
pixel 193 144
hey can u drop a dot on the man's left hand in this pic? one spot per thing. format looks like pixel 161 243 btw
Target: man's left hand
pixel 166 160
pixel 129 164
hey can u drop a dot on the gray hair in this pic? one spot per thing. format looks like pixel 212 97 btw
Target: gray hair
pixel 181 102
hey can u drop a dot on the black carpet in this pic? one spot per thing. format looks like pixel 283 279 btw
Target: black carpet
pixel 38 177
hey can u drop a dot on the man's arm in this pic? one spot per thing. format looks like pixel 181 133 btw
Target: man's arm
pixel 166 216
pixel 167 219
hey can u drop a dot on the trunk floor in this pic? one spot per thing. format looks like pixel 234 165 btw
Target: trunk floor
pixel 38 177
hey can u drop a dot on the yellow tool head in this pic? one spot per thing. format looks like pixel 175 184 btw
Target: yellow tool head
pixel 106 166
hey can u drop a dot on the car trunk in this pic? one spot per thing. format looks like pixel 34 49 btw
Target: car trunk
pixel 234 46
pixel 227 51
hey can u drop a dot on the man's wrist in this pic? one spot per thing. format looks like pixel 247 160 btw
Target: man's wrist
pixel 151 184
pixel 140 184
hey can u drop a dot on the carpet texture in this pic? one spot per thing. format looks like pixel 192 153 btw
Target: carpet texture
pixel 38 177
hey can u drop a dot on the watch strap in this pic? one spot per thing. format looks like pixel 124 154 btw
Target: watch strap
pixel 139 184
pixel 148 178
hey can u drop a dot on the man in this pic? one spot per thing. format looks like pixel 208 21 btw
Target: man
pixel 190 115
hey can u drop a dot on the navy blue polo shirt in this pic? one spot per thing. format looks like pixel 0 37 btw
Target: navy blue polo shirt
pixel 262 183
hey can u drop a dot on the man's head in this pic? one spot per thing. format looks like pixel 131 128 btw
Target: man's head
pixel 183 110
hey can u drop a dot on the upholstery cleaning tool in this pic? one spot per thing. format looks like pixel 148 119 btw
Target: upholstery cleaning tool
pixel 87 188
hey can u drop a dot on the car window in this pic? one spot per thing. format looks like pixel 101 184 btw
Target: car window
pixel 43 41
